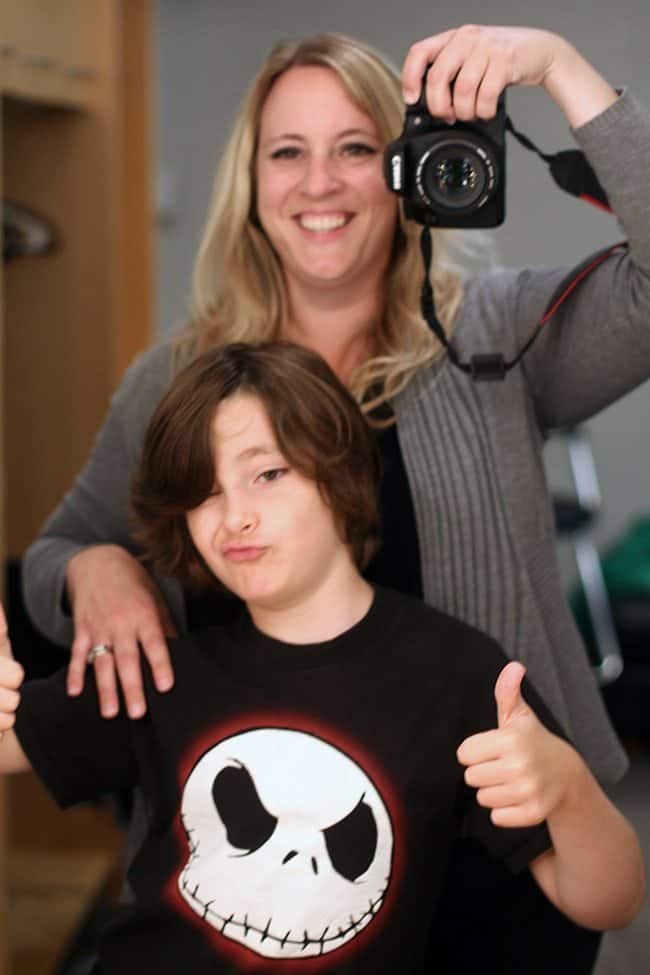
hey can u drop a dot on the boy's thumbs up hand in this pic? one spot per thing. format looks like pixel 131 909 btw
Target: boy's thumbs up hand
pixel 11 677
pixel 507 693
pixel 520 769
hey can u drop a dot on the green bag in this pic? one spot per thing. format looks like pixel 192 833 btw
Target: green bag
pixel 626 564
pixel 626 570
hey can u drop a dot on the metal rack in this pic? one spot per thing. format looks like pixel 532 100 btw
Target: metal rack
pixel 575 517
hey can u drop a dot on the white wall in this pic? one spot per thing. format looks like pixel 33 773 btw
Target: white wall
pixel 209 49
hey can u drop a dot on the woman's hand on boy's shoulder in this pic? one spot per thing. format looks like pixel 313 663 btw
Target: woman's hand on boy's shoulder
pixel 117 606
pixel 522 772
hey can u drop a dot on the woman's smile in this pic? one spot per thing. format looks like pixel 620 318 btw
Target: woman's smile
pixel 318 225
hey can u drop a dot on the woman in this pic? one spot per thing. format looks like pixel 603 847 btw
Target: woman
pixel 303 242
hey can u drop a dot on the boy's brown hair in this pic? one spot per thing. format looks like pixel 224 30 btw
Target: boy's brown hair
pixel 318 427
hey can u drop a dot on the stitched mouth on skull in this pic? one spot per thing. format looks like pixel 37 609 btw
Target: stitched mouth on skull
pixel 290 843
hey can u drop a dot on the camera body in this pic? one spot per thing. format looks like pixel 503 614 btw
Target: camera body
pixel 449 175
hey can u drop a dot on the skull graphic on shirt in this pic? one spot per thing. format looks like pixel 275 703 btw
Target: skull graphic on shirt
pixel 291 844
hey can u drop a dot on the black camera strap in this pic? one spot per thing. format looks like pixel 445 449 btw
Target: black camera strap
pixel 569 169
pixel 493 365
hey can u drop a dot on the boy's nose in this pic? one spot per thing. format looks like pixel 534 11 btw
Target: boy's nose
pixel 240 522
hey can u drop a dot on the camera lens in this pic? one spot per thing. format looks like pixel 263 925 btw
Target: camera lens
pixel 456 179
pixel 456 175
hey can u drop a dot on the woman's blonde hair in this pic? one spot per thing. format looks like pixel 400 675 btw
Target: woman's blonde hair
pixel 238 292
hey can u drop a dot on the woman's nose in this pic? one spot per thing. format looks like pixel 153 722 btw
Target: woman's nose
pixel 320 176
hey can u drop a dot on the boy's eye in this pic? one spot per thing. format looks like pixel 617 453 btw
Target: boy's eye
pixel 273 474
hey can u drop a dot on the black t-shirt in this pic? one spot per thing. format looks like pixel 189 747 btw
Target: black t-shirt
pixel 302 801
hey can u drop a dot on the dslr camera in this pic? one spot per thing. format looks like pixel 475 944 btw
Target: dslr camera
pixel 449 175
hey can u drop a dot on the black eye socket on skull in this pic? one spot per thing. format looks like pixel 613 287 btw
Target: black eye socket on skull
pixel 248 824
pixel 352 842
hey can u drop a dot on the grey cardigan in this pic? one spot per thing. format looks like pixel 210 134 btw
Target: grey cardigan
pixel 472 451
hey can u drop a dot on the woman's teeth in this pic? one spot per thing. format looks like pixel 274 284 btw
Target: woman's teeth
pixel 311 222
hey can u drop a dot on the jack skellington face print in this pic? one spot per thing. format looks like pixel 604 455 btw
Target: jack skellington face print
pixel 291 844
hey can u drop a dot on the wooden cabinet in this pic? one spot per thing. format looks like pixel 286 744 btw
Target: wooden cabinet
pixel 76 149
pixel 54 50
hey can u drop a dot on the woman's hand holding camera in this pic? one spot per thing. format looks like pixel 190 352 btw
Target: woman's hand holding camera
pixel 481 61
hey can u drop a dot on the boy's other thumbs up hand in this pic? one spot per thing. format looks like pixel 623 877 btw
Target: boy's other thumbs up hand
pixel 5 645
pixel 11 677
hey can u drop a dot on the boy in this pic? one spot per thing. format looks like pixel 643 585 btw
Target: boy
pixel 322 748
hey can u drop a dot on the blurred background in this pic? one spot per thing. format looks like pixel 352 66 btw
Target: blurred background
pixel 114 113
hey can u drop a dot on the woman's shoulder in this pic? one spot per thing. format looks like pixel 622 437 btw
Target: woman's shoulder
pixel 153 365
pixel 146 379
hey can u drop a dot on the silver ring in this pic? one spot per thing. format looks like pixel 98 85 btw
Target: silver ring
pixel 98 650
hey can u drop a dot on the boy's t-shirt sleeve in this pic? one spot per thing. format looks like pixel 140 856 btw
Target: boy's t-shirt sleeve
pixel 517 847
pixel 77 754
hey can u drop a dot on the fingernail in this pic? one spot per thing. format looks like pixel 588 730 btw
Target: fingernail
pixel 136 711
pixel 165 683
pixel 110 711
pixel 410 97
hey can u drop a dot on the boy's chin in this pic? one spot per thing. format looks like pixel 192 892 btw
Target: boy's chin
pixel 266 597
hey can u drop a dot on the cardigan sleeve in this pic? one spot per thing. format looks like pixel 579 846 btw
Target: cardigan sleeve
pixel 596 347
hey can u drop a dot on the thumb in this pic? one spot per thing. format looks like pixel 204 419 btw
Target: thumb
pixel 5 645
pixel 507 693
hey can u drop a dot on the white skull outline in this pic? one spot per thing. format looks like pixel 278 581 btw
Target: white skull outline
pixel 291 844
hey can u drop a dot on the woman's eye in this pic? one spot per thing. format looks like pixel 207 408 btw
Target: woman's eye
pixel 358 149
pixel 286 152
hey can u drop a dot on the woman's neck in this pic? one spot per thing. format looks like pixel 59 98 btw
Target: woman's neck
pixel 339 325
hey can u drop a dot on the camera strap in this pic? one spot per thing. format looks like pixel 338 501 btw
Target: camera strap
pixel 569 169
pixel 493 365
